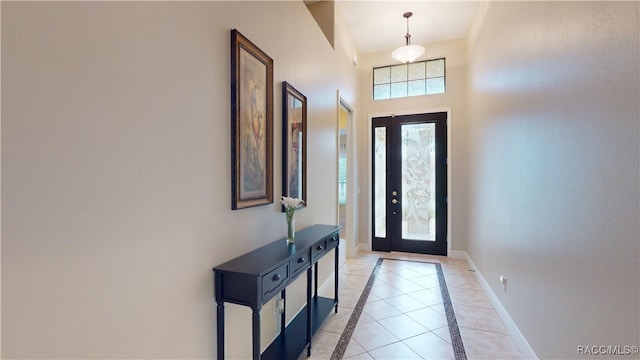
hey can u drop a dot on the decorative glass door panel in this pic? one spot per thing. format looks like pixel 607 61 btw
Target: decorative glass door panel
pixel 380 160
pixel 418 181
pixel 410 183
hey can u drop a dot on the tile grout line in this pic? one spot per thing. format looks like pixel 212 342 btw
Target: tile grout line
pixel 454 331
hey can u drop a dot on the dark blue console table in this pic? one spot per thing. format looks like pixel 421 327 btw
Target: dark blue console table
pixel 255 278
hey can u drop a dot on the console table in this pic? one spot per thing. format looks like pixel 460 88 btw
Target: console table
pixel 255 278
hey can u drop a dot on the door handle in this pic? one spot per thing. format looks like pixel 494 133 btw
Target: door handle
pixel 394 201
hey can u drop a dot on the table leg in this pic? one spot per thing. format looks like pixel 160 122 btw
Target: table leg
pixel 315 283
pixel 220 330
pixel 337 260
pixel 255 324
pixel 283 319
pixel 309 304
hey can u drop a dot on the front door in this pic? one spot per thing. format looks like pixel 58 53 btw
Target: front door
pixel 409 162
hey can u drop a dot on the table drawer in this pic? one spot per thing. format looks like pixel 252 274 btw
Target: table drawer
pixel 299 263
pixel 333 240
pixel 319 249
pixel 274 280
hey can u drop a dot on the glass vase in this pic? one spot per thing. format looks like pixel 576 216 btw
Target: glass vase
pixel 291 231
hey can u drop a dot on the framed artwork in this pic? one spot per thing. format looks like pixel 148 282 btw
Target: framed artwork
pixel 294 143
pixel 251 124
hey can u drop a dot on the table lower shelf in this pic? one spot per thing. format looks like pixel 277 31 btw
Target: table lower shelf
pixel 294 340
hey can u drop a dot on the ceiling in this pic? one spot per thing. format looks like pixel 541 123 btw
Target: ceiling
pixel 379 25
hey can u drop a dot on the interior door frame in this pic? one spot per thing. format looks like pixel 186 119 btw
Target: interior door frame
pixel 351 246
pixel 370 169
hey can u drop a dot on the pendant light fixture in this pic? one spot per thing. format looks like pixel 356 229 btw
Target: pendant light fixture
pixel 407 53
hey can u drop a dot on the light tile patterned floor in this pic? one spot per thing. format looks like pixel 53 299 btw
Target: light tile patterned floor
pixel 404 317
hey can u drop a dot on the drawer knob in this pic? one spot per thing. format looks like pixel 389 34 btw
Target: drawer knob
pixel 276 277
pixel 320 247
pixel 301 260
pixel 333 239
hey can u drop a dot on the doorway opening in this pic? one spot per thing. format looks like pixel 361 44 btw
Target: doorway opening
pixel 342 172
pixel 347 177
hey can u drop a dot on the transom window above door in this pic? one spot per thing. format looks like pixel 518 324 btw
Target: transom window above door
pixel 413 79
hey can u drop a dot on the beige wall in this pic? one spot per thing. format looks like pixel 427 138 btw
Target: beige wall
pixel 454 100
pixel 115 170
pixel 554 91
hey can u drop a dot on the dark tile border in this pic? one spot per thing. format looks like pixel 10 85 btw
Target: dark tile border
pixel 341 347
pixel 454 332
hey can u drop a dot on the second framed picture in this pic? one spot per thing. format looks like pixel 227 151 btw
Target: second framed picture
pixel 294 143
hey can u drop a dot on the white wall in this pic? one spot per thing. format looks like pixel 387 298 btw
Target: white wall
pixel 554 118
pixel 116 170
pixel 454 99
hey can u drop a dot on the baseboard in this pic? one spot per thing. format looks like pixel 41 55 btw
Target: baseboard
pixel 455 254
pixel 519 339
pixel 363 247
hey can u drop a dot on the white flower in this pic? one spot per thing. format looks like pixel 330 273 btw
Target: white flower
pixel 291 203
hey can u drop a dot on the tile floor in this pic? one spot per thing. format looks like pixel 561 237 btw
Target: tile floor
pixel 404 317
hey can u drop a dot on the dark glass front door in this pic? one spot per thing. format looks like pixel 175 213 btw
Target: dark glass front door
pixel 409 162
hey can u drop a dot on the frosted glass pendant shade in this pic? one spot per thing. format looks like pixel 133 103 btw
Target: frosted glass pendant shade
pixel 407 53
